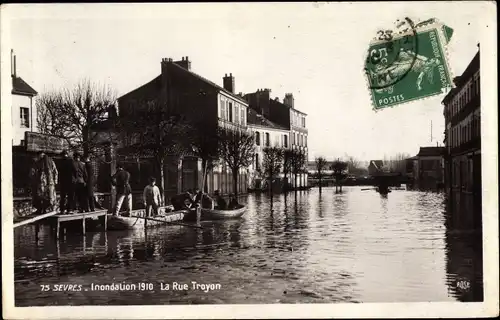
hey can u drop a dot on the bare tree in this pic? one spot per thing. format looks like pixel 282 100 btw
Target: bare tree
pixel 152 130
pixel 397 163
pixel 204 142
pixel 72 113
pixel 355 167
pixel 320 169
pixel 236 149
pixel 298 161
pixel 287 164
pixel 339 169
pixel 272 163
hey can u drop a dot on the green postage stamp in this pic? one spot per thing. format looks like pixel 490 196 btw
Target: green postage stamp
pixel 409 63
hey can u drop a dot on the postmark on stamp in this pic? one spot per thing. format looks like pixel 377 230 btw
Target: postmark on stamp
pixel 408 63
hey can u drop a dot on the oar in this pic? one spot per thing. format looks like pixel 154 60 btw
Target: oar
pixel 171 222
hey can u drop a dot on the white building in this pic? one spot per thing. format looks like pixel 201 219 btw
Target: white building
pixel 23 108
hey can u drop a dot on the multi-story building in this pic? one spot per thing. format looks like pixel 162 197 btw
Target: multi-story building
pixel 462 113
pixel 23 109
pixel 266 134
pixel 189 93
pixel 287 116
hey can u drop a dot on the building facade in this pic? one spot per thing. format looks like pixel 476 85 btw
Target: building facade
pixel 285 115
pixel 462 113
pixel 23 109
pixel 199 99
pixel 428 169
pixel 266 134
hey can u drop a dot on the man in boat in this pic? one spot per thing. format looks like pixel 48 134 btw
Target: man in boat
pixel 233 202
pixel 123 190
pixel 219 200
pixel 151 197
pixel 183 201
pixel 203 200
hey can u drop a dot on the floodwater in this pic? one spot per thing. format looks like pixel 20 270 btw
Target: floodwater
pixel 310 248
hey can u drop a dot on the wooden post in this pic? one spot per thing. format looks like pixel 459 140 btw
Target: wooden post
pixel 112 160
pixel 83 224
pixel 105 222
pixel 58 229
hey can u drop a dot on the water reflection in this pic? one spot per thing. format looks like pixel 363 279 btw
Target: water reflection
pixel 352 246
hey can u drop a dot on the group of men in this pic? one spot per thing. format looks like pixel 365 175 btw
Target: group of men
pixel 76 182
pixel 189 200
pixel 152 198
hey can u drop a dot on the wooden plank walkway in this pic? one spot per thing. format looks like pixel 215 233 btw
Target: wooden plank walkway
pixel 33 218
pixel 58 219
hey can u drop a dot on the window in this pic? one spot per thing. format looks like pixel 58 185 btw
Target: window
pixel 285 141
pixel 268 140
pixel 242 115
pixel 257 164
pixel 236 114
pixel 25 117
pixel 223 115
pixel 257 138
pixel 230 112
pixel 305 141
pixel 304 122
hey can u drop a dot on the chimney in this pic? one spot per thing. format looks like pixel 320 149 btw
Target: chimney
pixel 14 68
pixel 228 82
pixel 288 100
pixel 184 62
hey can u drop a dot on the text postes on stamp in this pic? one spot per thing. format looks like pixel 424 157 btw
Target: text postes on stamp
pixel 408 65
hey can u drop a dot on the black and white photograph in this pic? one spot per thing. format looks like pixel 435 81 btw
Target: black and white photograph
pixel 249 160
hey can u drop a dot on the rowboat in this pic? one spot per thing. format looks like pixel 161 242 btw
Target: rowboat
pixel 215 214
pixel 136 219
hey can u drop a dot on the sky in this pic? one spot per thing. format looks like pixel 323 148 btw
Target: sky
pixel 314 50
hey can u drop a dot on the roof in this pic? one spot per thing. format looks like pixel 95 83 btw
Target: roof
pixel 413 158
pixel 377 163
pixel 461 80
pixel 431 151
pixel 213 84
pixel 253 118
pixel 19 86
pixel 289 107
pixel 157 82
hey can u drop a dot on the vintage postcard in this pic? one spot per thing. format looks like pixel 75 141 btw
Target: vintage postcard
pixel 249 160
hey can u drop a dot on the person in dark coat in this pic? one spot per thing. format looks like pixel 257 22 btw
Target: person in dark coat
pixel 66 177
pixel 90 199
pixel 219 200
pixel 183 201
pixel 121 180
pixel 80 182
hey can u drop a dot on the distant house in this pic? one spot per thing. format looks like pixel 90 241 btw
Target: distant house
pixel 428 168
pixel 375 166
pixel 23 112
